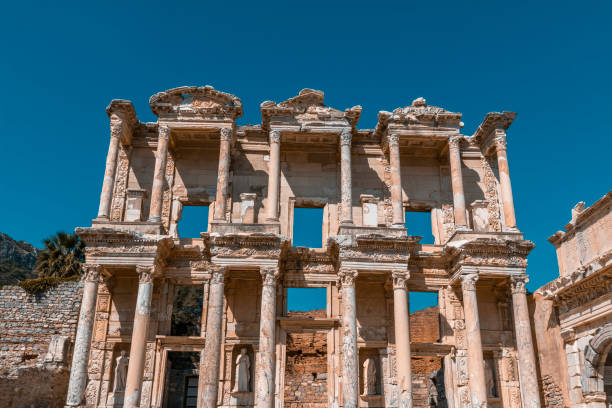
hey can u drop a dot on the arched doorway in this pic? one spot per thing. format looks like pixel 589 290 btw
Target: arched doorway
pixel 597 374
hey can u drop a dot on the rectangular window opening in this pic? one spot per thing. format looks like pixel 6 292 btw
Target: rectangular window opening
pixel 308 227
pixel 419 223
pixel 424 317
pixel 187 311
pixel 194 219
pixel 306 302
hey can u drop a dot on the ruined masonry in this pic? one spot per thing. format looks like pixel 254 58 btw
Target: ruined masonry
pixel 246 349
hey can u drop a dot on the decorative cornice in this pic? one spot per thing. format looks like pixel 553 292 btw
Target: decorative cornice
pixel 347 277
pixel 492 121
pixel 193 100
pixel 489 252
pixel 123 110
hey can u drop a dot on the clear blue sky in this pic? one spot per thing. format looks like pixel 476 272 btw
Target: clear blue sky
pixel 62 63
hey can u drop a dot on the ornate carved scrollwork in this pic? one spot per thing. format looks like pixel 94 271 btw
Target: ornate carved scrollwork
pixel 269 275
pixel 500 141
pixel 145 273
pixel 346 137
pixel 163 132
pixel 217 274
pixel 274 136
pixel 92 272
pixel 399 279
pixel 347 276
pixel 454 141
pixel 517 284
pixel 225 134
pixel 468 281
pixel 393 139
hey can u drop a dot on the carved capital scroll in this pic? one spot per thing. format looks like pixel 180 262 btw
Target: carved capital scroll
pixel 217 274
pixel 393 139
pixel 468 281
pixel 116 128
pixel 269 275
pixel 145 273
pixel 274 136
pixel 163 132
pixel 399 279
pixel 346 137
pixel 226 134
pixel 92 272
pixel 454 142
pixel 517 284
pixel 500 140
pixel 347 276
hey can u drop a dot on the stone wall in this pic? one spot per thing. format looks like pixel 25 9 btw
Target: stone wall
pixel 27 324
pixel 306 370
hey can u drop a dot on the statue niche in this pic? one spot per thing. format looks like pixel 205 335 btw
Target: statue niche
pixel 242 371
pixel 370 380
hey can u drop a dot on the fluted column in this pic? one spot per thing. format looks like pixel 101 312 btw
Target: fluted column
pixel 223 174
pixel 454 153
pixel 504 179
pixel 274 175
pixel 210 360
pixel 474 342
pixel 350 355
pixel 106 196
pixel 264 376
pixel 524 344
pixel 346 177
pixel 401 319
pixel 159 173
pixel 396 181
pixel 82 341
pixel 142 314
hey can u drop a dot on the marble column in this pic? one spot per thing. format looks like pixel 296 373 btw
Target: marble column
pixel 273 176
pixel 454 153
pixel 265 367
pixel 209 363
pixel 82 341
pixel 346 177
pixel 401 317
pixel 106 196
pixel 524 344
pixel 396 181
pixel 350 354
pixel 223 174
pixel 142 314
pixel 478 389
pixel 159 174
pixel 504 179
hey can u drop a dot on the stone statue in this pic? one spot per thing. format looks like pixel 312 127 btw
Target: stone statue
pixel 369 376
pixel 490 379
pixel 243 372
pixel 121 368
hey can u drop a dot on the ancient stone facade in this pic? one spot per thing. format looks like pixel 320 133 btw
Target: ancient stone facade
pixel 253 177
pixel 573 313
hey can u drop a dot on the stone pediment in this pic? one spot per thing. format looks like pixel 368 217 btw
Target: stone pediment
pixel 419 114
pixel 202 101
pixel 308 106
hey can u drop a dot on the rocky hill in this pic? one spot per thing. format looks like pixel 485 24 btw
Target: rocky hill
pixel 17 259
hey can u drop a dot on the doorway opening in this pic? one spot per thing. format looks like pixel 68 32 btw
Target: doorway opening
pixel 306 302
pixel 306 370
pixel 181 387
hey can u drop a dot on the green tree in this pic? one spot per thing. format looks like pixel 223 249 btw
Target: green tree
pixel 62 257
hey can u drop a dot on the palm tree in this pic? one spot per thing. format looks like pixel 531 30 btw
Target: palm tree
pixel 62 257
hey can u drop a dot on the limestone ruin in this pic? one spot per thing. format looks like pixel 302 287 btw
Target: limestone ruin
pixel 168 320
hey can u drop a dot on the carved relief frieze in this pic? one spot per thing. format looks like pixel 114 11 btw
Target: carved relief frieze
pixel 490 193
pixel 491 252
pixel 448 220
pixel 167 193
pixel 121 180
pixel 251 246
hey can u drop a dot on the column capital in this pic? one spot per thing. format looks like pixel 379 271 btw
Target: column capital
pixel 393 139
pixel 163 132
pixel 517 284
pixel 346 137
pixel 269 274
pixel 116 127
pixel 145 273
pixel 468 281
pixel 274 136
pixel 92 272
pixel 500 141
pixel 217 274
pixel 347 276
pixel 400 279
pixel 226 134
pixel 454 142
